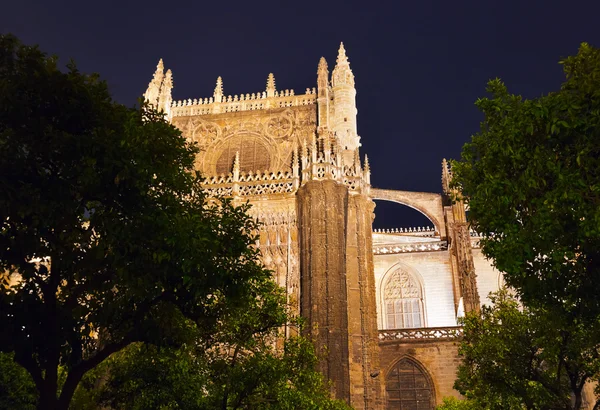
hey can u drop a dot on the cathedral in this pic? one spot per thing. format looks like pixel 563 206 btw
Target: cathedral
pixel 381 306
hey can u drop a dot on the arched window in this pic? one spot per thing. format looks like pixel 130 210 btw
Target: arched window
pixel 254 156
pixel 403 301
pixel 408 387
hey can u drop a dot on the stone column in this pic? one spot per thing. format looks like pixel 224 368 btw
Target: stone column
pixel 322 213
pixel 463 256
pixel 365 378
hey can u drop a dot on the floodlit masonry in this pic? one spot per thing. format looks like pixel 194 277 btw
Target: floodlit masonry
pixel 381 306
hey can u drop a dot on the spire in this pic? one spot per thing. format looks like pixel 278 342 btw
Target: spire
pixel 357 166
pixel 164 97
pixel 236 164
pixel 342 59
pixel 342 74
pixel 218 95
pixel 322 77
pixel 153 91
pixel 367 171
pixel 322 66
pixel 271 85
pixel 295 161
pixel 323 93
pixel 445 177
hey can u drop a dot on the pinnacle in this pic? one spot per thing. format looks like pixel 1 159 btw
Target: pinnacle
pixel 160 66
pixel 342 58
pixel 219 86
pixel 322 69
pixel 271 81
pixel 271 85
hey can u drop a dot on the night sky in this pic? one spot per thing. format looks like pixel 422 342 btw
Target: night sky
pixel 419 65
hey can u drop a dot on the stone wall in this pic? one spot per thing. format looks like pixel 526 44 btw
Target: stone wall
pixel 433 270
pixel 488 278
pixel 439 359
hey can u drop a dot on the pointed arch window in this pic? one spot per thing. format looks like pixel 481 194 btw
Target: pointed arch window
pixel 403 301
pixel 408 387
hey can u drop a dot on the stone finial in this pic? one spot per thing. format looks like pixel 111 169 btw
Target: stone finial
pixel 313 148
pixel 342 58
pixel 295 161
pixel 152 93
pixel 165 98
pixel 160 67
pixel 236 165
pixel 356 161
pixel 446 177
pixel 342 74
pixel 367 166
pixel 218 95
pixel 322 66
pixel 271 85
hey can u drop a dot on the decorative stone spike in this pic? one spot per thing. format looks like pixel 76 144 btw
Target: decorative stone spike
pixel 295 163
pixel 322 68
pixel 152 93
pixel 271 90
pixel 236 162
pixel 164 97
pixel 446 177
pixel 356 162
pixel 218 94
pixel 342 58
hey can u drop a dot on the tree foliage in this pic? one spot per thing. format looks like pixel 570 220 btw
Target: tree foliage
pixel 17 390
pixel 452 403
pixel 106 235
pixel 532 179
pixel 515 357
pixel 249 366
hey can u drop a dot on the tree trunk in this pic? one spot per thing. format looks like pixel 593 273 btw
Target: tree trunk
pixel 577 404
pixel 48 399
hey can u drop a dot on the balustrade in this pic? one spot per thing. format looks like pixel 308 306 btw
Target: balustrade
pixel 433 334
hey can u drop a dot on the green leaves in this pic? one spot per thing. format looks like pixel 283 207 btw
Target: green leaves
pixel 105 228
pixel 531 176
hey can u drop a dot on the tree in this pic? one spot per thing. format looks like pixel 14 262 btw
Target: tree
pixel 515 357
pixel 533 187
pixel 107 238
pixel 531 178
pixel 452 403
pixel 17 390
pixel 247 368
pixel 142 376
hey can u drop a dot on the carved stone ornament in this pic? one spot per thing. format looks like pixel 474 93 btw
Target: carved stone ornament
pixel 401 285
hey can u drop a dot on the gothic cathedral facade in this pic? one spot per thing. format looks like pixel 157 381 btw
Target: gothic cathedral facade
pixel 381 306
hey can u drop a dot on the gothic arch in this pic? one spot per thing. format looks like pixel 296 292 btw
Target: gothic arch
pixel 216 149
pixel 409 386
pixel 385 280
pixel 429 204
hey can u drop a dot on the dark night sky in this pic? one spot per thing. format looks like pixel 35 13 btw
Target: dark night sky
pixel 419 65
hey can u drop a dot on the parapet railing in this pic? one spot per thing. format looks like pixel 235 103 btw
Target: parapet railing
pixel 422 334
pixel 410 247
pixel 251 183
pixel 243 102
pixel 428 231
